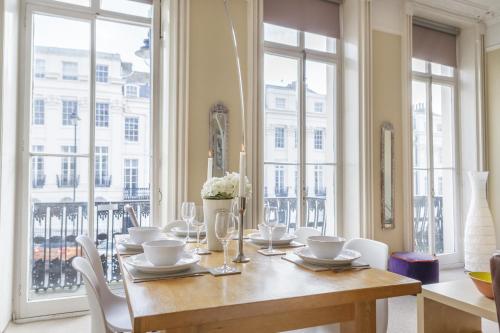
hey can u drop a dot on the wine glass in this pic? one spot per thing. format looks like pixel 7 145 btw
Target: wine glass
pixel 235 210
pixel 188 212
pixel 198 222
pixel 270 221
pixel 225 228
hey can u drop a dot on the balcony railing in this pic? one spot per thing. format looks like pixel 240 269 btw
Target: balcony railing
pixel 67 181
pixel 421 223
pixel 38 181
pixel 136 193
pixel 104 181
pixel 55 227
pixel 315 214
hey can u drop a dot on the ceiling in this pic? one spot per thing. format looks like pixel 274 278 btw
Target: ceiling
pixel 487 11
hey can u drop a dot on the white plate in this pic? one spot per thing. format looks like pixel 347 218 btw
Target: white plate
pixel 140 263
pixel 344 258
pixel 256 238
pixel 182 232
pixel 128 244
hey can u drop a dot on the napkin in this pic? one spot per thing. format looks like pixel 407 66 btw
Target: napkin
pixel 138 276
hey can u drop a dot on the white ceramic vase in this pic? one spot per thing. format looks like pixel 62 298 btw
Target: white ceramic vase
pixel 479 240
pixel 210 208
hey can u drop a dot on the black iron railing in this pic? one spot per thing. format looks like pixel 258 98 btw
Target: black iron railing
pixel 103 181
pixel 67 180
pixel 55 227
pixel 421 223
pixel 315 214
pixel 38 181
pixel 136 193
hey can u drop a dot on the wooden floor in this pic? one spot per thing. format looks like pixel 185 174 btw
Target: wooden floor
pixel 402 316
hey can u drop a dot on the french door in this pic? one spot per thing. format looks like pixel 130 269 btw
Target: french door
pixel 80 55
pixel 299 132
pixel 435 191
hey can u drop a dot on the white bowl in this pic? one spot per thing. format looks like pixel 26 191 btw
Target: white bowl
pixel 278 231
pixel 139 235
pixel 165 252
pixel 325 247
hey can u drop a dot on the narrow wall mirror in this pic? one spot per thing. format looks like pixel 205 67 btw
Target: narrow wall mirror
pixel 218 141
pixel 387 175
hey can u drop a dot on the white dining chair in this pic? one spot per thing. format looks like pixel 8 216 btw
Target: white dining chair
pixel 376 254
pixel 306 232
pixel 115 307
pixel 106 316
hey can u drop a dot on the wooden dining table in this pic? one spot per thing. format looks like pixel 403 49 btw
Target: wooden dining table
pixel 270 295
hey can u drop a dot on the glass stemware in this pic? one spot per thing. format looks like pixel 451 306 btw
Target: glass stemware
pixel 225 229
pixel 188 212
pixel 270 221
pixel 198 222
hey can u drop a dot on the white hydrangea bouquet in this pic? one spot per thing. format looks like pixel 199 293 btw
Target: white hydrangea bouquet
pixel 224 188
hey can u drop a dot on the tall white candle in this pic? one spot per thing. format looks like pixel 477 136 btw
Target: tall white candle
pixel 210 165
pixel 242 171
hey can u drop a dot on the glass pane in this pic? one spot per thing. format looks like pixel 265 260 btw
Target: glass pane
pixel 61 90
pixel 442 70
pixel 320 43
pixel 281 136
pixel 129 7
pixel 419 123
pixel 421 210
pixel 444 203
pixel 321 111
pixel 282 35
pixel 59 206
pixel 442 125
pixel 85 3
pixel 419 65
pixel 123 125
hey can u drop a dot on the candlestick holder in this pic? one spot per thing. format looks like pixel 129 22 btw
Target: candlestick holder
pixel 241 256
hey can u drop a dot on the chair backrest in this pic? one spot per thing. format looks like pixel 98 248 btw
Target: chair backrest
pixel 495 276
pixel 376 254
pixel 305 232
pixel 90 251
pixel 92 287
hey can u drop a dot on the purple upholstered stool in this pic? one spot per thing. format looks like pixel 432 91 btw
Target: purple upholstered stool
pixel 418 266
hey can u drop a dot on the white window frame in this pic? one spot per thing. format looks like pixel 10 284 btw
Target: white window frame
pixel 279 137
pixel 70 76
pixel 65 117
pixel 301 54
pixel 37 113
pixel 131 130
pixel 428 78
pixel 40 69
pixel 101 119
pixel 319 140
pixel 101 72
pixel 25 310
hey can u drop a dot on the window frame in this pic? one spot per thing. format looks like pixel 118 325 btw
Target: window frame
pixel 279 137
pixel 70 76
pixel 23 307
pixel 101 119
pixel 99 73
pixel 131 134
pixel 38 115
pixel 428 78
pixel 302 55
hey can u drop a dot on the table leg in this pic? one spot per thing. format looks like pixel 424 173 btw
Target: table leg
pixel 434 316
pixel 364 319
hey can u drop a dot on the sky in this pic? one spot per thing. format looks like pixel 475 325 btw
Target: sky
pixel 111 37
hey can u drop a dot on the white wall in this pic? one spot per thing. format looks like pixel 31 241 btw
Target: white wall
pixel 9 35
